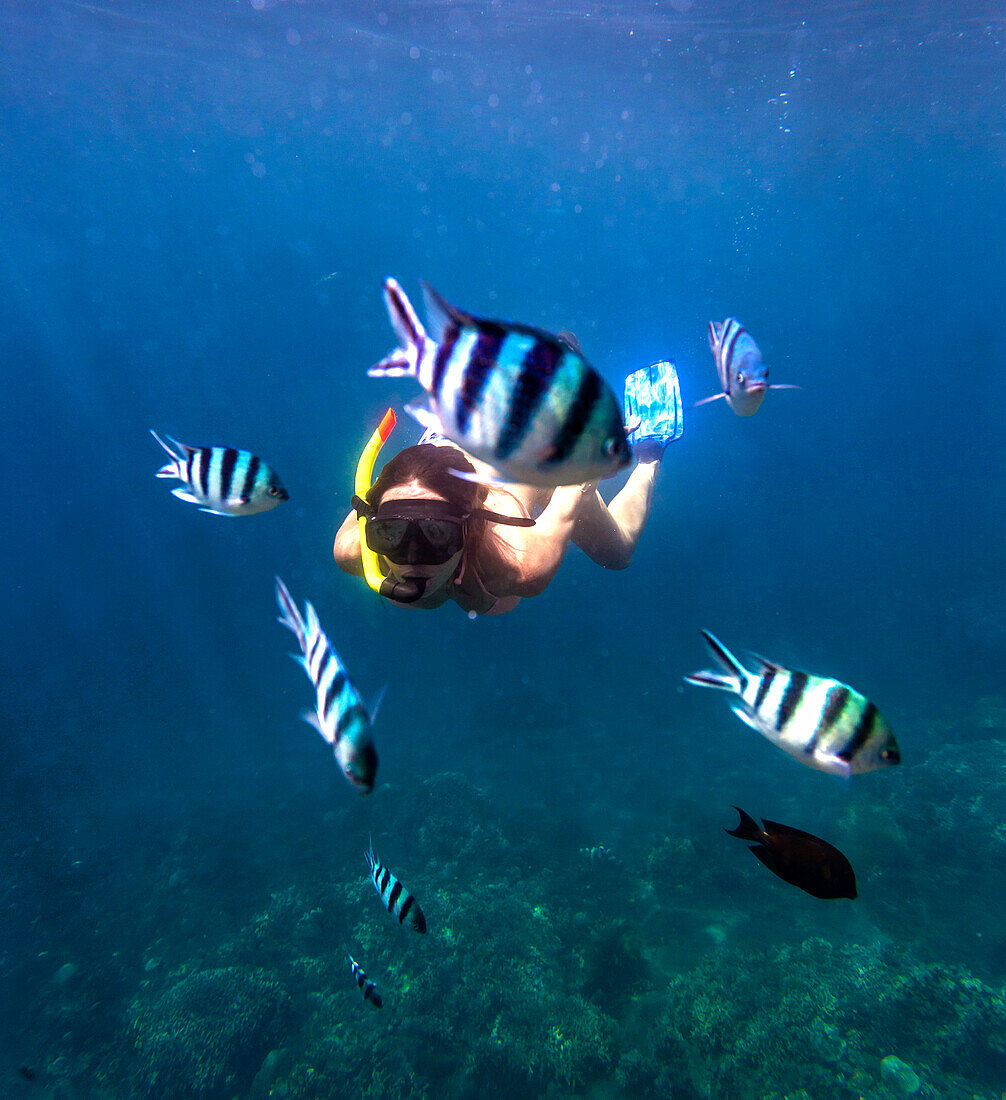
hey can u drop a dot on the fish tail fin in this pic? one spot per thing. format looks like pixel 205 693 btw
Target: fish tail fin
pixel 313 623
pixel 747 829
pixel 735 678
pixel 291 617
pixel 176 467
pixel 712 680
pixel 407 358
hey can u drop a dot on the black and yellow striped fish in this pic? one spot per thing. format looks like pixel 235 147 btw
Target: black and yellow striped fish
pixel 222 480
pixel 364 984
pixel 821 722
pixel 518 398
pixel 397 900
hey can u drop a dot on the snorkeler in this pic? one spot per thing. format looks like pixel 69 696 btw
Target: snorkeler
pixel 432 536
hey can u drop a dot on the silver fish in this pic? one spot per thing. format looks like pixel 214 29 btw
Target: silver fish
pixel 518 398
pixel 397 900
pixel 743 376
pixel 340 716
pixel 223 480
pixel 820 722
pixel 364 984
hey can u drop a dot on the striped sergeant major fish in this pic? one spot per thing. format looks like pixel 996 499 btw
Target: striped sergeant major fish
pixel 222 480
pixel 397 900
pixel 823 723
pixel 518 398
pixel 364 984
pixel 340 716
pixel 743 376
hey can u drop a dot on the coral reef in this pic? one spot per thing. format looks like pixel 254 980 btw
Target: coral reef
pixel 207 1035
pixel 821 1017
pixel 669 969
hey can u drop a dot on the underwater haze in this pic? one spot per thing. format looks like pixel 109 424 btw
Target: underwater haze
pixel 199 202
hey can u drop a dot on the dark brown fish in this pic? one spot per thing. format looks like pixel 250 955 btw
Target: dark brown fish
pixel 799 858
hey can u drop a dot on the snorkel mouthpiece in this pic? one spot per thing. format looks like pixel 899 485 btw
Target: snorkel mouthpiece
pixel 407 590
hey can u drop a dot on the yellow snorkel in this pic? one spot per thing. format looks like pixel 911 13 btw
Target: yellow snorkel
pixel 364 472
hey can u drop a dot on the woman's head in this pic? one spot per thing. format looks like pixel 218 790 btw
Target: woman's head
pixel 424 473
pixel 429 467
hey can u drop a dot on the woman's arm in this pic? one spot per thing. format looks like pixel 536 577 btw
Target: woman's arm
pixel 608 533
pixel 539 550
pixel 347 546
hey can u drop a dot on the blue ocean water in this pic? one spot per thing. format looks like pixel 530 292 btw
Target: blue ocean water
pixel 198 205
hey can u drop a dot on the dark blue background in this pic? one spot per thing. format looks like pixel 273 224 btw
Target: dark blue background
pixel 177 179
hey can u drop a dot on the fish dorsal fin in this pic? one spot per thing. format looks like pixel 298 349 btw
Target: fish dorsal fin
pixel 775 828
pixel 440 313
pixel 764 664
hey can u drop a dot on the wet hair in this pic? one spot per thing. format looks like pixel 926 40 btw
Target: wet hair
pixel 431 466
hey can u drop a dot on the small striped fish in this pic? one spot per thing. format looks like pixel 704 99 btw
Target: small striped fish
pixel 340 716
pixel 743 376
pixel 223 480
pixel 397 900
pixel 520 399
pixel 364 984
pixel 823 723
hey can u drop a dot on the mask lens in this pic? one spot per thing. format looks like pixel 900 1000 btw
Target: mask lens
pixel 413 532
pixel 384 535
pixel 442 534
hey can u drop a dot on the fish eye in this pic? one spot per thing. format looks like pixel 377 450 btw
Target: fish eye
pixel 273 491
pixel 610 446
pixel 740 379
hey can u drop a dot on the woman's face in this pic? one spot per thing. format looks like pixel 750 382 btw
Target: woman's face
pixel 437 575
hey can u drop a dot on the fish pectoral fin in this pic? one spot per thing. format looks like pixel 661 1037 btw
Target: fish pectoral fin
pixel 784 386
pixel 423 414
pixel 312 719
pixel 835 765
pixel 745 718
pixel 481 479
pixel 184 494
pixel 706 400
pixel 545 454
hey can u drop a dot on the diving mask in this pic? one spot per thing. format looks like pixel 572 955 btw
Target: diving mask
pixel 422 531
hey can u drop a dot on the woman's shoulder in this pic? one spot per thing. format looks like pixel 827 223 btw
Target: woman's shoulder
pixel 516 501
